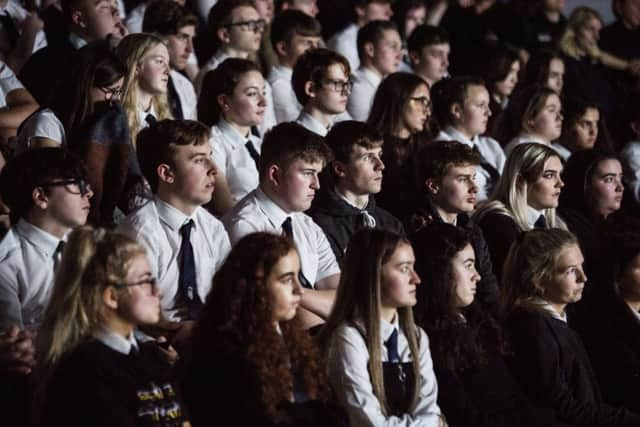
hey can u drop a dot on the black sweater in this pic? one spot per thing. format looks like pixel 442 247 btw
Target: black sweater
pixel 98 386
pixel 553 367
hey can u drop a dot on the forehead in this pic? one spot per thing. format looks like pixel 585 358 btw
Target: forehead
pixel 402 253
pixel 358 150
pixel 556 65
pixel 302 164
pixel 244 13
pixel 421 91
pixel 475 92
pixel 288 263
pixel 138 265
pixel 390 35
pixel 251 78
pixel 336 72
pixel 302 38
pixel 192 150
pixel 553 163
pixel 187 29
pixel 158 50
pixel 608 166
pixel 552 101
pixel 466 169
pixel 569 255
pixel 465 253
pixel 437 48
pixel 591 114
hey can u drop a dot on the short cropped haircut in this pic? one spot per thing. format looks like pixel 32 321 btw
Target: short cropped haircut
pixel 372 33
pixel 290 23
pixel 157 144
pixel 166 18
pixel 447 92
pixel 426 35
pixel 287 142
pixel 343 136
pixel 312 66
pixel 220 13
pixel 32 169
pixel 436 158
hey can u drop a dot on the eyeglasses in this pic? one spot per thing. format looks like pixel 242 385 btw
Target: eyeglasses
pixel 339 85
pixel 151 284
pixel 424 101
pixel 111 93
pixel 83 186
pixel 255 26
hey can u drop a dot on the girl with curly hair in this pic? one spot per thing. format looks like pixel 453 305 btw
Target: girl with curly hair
pixel 466 342
pixel 379 361
pixel 249 363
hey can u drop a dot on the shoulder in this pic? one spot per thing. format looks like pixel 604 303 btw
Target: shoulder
pixel 143 220
pixel 9 245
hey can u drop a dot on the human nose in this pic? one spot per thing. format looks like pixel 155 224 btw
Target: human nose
pixel 315 182
pixel 189 46
pixel 415 279
pixel 560 182
pixel 379 164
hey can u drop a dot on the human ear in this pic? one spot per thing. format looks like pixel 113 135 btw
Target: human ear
pixel 456 111
pixel 281 48
pixel 165 173
pixel 109 298
pixel 339 168
pixel 433 186
pixel 40 198
pixel 274 175
pixel 310 89
pixel 223 35
pixel 369 49
pixel 77 18
pixel 223 102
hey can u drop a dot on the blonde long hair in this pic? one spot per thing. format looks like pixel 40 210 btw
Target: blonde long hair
pixel 523 167
pixel 132 50
pixel 568 44
pixel 359 300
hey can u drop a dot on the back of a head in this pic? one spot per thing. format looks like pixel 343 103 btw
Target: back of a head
pixel 35 168
pixel 426 35
pixel 166 18
pixel 288 142
pixel 156 144
pixel 292 22
pixel 312 67
pixel 344 136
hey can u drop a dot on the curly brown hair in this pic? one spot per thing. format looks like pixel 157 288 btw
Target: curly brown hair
pixel 239 308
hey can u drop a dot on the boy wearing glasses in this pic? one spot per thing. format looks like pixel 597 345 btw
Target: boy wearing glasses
pixel 321 82
pixel 237 28
pixel 185 244
pixel 380 53
pixel 47 192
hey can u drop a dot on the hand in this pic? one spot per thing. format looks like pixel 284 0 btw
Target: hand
pixel 17 352
pixel 167 350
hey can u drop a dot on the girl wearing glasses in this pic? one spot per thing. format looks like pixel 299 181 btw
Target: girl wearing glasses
pixel 400 112
pixel 233 103
pixel 250 363
pixel 461 107
pixel 89 355
pixel 378 360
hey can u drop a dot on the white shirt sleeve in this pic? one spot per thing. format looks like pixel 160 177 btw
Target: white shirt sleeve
pixel 349 376
pixel 327 263
pixel 630 156
pixel 285 104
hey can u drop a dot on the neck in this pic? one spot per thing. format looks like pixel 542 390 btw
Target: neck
pixel 538 136
pixel 370 67
pixel 79 32
pixel 388 313
pixel 448 217
pixel 235 53
pixel 285 62
pixel 634 304
pixel 244 130
pixel 430 82
pixel 359 200
pixel 144 100
pixel 46 223
pixel 552 16
pixel 324 118
pixel 559 308
pixel 118 325
pixel 499 98
pixel 170 198
pixel 402 132
pixel 464 132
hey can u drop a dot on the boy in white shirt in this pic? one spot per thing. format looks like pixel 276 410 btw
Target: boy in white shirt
pixel 185 244
pixel 429 53
pixel 322 83
pixel 292 34
pixel 291 159
pixel 380 52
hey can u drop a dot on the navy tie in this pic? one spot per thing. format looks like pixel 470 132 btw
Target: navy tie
pixel 174 100
pixel 150 119
pixel 392 347
pixel 187 266
pixel 9 28
pixel 57 255
pixel 288 231
pixel 253 153
pixel 541 222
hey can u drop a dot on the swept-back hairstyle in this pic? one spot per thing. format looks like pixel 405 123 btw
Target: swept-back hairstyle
pixel 290 23
pixel 426 35
pixel 524 166
pixel 529 267
pixel 131 50
pixel 239 308
pixel 456 343
pixel 221 81
pixel 434 160
pixel 359 300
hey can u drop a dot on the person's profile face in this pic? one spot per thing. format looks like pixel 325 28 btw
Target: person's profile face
pixel 332 92
pixel 310 7
pixel 505 87
pixel 192 178
pixel 66 204
pixel 414 18
pixel 363 174
pixel 140 304
pixel 432 62
pixel 387 52
pixel 377 11
pixel 547 124
pixel 555 80
pixel 606 187
pixel 544 192
pixel 464 276
pixel 588 34
pixel 299 44
pixel 101 18
pixel 399 280
pixel 475 112
pixel 153 70
pixel 630 11
pixel 297 185
pixel 247 103
pixel 585 130
pixel 567 279
pixel 417 110
pixel 241 37
pixel 180 46
pixel 284 289
pixel 630 280
pixel 457 191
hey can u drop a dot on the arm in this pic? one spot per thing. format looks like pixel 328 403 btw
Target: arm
pixel 31 25
pixel 17 352
pixel 20 105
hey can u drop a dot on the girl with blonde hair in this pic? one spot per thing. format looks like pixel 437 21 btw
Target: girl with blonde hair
pixel 379 361
pixel 144 96
pixel 542 276
pixel 526 197
pixel 89 355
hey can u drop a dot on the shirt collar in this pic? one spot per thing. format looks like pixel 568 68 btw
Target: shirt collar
pixel 43 241
pixel 527 137
pixel 458 136
pixel 533 215
pixel 76 41
pixel 232 133
pixel 170 215
pixel 116 341
pixel 309 122
pixel 370 76
pixel 386 328
pixel 282 71
pixel 143 115
pixel 546 306
pixel 562 151
pixel 274 212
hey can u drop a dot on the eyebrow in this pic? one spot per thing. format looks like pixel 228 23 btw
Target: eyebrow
pixel 286 275
pixel 194 155
pixel 468 260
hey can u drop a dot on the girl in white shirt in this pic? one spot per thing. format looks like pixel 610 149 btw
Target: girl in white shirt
pixel 379 362
pixel 233 103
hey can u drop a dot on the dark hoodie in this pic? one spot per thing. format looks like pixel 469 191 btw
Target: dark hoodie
pixel 339 220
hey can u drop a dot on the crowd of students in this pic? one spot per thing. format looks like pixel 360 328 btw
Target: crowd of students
pixel 241 212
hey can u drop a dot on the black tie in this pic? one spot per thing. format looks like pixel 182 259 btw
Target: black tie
pixel 288 231
pixel 494 175
pixel 174 100
pixel 9 28
pixel 541 222
pixel 253 153
pixel 392 347
pixel 57 254
pixel 187 266
pixel 150 119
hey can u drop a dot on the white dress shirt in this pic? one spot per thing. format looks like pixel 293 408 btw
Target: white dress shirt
pixel 285 103
pixel 523 138
pixel 533 215
pixel 630 156
pixel 156 226
pixel 349 375
pixel 18 15
pixel 233 160
pixel 186 94
pixel 115 341
pixel 26 274
pixel 345 43
pixel 42 124
pixel 487 147
pixel 309 122
pixel 8 83
pixel 365 84
pixel 257 212
pixel 135 18
pixel 562 151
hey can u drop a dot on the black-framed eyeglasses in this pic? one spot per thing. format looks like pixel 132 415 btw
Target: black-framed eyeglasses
pixel 152 283
pixel 254 25
pixel 83 186
pixel 339 85
pixel 111 93
pixel 422 100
